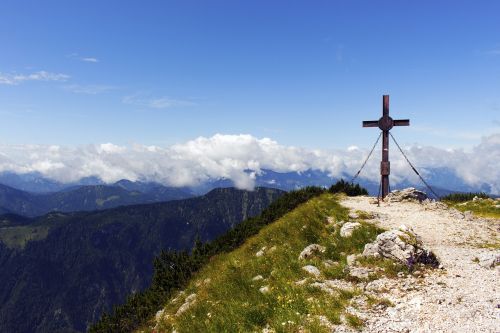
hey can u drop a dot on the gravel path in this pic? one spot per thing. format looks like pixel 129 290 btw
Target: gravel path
pixel 463 296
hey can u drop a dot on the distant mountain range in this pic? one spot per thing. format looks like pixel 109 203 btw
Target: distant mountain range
pixel 86 197
pixel 34 195
pixel 60 271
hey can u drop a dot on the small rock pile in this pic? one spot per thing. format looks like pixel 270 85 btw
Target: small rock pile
pixel 408 194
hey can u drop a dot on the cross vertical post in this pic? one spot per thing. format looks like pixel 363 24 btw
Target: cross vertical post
pixel 385 123
pixel 385 165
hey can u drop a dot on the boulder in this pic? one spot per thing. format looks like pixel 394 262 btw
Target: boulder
pixel 402 245
pixel 348 228
pixel 312 270
pixel 311 250
pixel 408 194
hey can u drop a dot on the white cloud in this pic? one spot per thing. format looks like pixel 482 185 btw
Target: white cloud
pixel 163 102
pixel 15 79
pixel 92 89
pixel 76 56
pixel 228 156
pixel 89 59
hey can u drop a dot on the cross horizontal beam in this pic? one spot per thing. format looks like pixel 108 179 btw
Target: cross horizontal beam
pixel 370 123
pixel 402 122
pixel 390 122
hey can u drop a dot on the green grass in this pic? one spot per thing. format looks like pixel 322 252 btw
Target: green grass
pixel 483 207
pixel 229 300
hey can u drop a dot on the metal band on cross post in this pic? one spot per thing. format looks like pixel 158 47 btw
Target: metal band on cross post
pixel 385 123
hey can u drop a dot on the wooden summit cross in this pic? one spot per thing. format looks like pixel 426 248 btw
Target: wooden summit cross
pixel 385 123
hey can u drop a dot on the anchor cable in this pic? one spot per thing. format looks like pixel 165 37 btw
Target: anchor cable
pixel 411 165
pixel 367 158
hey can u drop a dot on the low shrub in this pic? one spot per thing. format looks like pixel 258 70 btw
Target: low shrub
pixel 462 197
pixel 350 189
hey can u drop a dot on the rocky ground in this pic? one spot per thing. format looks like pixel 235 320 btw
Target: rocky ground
pixel 461 296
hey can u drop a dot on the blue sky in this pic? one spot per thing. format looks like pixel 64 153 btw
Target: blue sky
pixel 304 73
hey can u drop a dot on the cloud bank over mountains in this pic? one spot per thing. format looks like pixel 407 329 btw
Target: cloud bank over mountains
pixel 231 156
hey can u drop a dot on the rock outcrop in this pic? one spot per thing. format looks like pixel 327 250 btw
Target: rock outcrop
pixel 408 194
pixel 402 245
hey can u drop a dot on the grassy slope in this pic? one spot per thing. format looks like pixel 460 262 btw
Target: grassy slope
pixel 481 207
pixel 229 300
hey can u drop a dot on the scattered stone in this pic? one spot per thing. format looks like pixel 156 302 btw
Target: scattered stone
pixel 353 215
pixel 371 250
pixel 323 321
pixel 348 228
pixel 476 198
pixel 430 204
pixel 271 250
pixel 179 295
pixel 264 289
pixel 312 270
pixel 257 278
pixel 489 259
pixel 330 220
pixel 159 315
pixel 468 215
pixel 261 252
pixel 268 329
pixel 402 245
pixel 408 194
pixel 311 250
pixel 351 259
pixel 301 282
pixel 204 282
pixel 323 287
pixel 360 272
pixel 330 263
pixel 190 300
pixel 340 284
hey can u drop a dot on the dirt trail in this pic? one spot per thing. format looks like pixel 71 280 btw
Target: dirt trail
pixel 463 296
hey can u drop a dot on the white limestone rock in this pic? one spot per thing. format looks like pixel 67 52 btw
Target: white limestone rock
pixel 311 250
pixel 408 194
pixel 489 259
pixel 353 215
pixel 261 252
pixel 264 289
pixel 402 245
pixel 348 228
pixel 190 300
pixel 312 270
